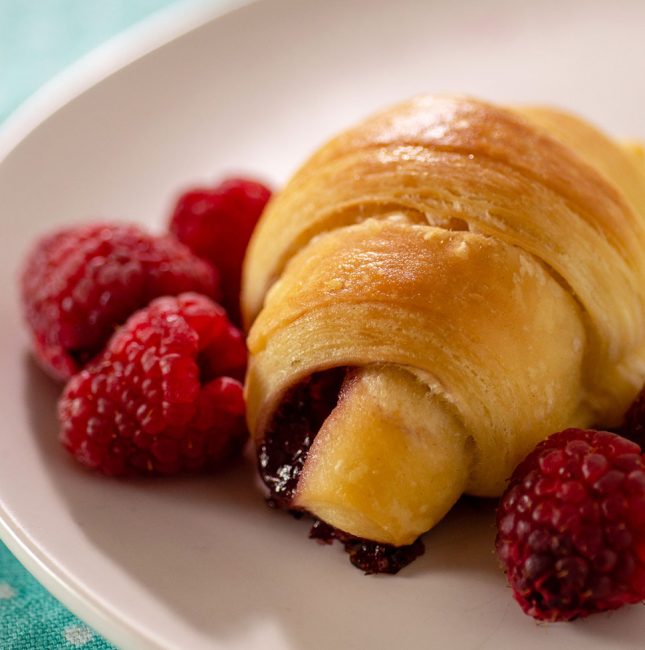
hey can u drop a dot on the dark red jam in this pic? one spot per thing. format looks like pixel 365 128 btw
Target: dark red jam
pixel 366 555
pixel 282 455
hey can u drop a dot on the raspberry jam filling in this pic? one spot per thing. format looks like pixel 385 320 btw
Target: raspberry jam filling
pixel 282 455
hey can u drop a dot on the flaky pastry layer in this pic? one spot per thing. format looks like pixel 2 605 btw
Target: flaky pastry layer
pixel 486 264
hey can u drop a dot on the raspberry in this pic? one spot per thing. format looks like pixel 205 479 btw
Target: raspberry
pixel 159 400
pixel 217 224
pixel 571 526
pixel 79 283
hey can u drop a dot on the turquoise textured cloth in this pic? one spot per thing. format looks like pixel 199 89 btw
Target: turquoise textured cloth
pixel 30 618
pixel 37 39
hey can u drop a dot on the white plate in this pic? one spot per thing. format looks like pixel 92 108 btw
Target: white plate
pixel 195 564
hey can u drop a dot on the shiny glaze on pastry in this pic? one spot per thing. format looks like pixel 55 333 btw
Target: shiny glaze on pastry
pixel 480 269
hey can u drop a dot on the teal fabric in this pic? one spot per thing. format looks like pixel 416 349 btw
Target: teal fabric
pixel 30 618
pixel 37 39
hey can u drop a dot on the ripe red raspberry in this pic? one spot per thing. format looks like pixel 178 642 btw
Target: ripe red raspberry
pixel 217 224
pixel 163 397
pixel 571 526
pixel 79 283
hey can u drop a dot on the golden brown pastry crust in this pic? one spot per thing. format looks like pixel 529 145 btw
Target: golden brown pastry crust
pixel 495 253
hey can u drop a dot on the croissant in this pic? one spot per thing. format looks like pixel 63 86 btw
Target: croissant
pixel 436 290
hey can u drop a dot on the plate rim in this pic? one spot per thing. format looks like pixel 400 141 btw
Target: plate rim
pixel 120 50
pixel 128 46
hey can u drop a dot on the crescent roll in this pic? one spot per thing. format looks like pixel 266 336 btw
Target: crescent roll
pixel 436 290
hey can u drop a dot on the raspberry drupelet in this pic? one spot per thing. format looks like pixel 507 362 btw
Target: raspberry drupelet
pixel 79 283
pixel 164 398
pixel 217 224
pixel 571 526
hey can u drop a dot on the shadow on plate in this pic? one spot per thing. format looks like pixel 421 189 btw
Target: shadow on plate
pixel 210 550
